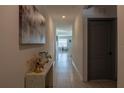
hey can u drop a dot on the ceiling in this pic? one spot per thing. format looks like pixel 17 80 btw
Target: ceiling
pixel 63 26
pixel 57 11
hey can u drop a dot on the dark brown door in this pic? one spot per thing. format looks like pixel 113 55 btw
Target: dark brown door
pixel 101 49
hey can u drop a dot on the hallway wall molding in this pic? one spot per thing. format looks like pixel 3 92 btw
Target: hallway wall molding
pixel 76 69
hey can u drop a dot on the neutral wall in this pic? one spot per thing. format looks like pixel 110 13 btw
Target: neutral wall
pixel 50 31
pixel 51 37
pixel 120 78
pixel 85 49
pixel 102 11
pixel 77 45
pixel 12 58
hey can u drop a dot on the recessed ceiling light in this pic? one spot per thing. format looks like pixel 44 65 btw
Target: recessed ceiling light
pixel 63 17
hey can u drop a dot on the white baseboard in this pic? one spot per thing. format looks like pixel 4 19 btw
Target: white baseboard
pixel 76 69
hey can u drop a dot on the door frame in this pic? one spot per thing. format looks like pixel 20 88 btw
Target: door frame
pixel 114 19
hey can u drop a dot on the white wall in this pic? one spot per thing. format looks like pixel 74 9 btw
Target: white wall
pixel 51 37
pixel 77 45
pixel 120 78
pixel 12 58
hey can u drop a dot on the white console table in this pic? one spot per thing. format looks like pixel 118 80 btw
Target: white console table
pixel 40 80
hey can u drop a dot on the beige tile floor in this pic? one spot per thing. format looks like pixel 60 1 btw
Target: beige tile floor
pixel 65 76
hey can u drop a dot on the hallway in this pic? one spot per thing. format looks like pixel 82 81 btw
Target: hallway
pixel 63 76
pixel 66 77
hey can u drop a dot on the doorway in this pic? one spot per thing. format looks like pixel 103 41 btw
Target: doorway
pixel 102 49
pixel 63 42
pixel 63 65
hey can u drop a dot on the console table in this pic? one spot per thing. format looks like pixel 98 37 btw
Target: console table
pixel 40 80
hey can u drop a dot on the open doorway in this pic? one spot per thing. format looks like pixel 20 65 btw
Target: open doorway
pixel 63 65
pixel 63 41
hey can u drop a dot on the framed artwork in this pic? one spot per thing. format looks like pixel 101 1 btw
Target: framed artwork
pixel 31 25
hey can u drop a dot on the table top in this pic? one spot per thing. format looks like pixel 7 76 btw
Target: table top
pixel 44 72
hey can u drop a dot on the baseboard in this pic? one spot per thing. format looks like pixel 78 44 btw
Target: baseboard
pixel 76 69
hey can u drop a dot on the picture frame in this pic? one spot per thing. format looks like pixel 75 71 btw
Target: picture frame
pixel 32 25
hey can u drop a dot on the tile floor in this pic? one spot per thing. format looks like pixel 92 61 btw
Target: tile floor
pixel 65 76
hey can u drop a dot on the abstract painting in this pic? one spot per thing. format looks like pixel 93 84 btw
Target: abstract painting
pixel 31 25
